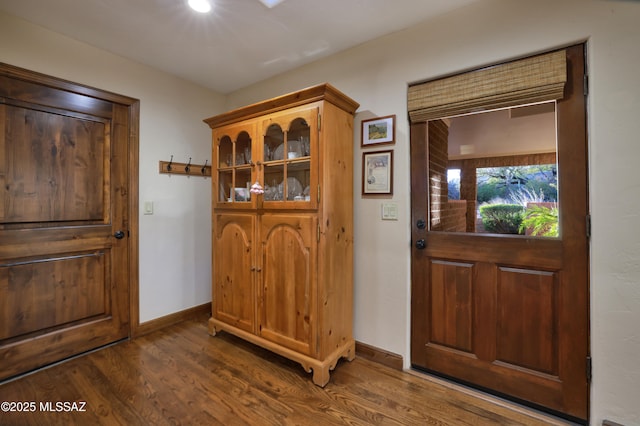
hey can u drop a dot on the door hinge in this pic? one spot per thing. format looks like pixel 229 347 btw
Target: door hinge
pixel 318 233
pixel 586 84
pixel 589 369
pixel 588 224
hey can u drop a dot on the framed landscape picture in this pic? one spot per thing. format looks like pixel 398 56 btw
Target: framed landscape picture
pixel 378 131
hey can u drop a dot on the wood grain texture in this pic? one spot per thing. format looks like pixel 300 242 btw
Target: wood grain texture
pixel 284 278
pixel 67 187
pixel 321 92
pixel 503 312
pixel 287 291
pixel 380 356
pixel 233 276
pixel 41 295
pixel 182 376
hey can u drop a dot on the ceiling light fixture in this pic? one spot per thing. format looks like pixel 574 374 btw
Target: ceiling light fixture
pixel 202 6
pixel 271 3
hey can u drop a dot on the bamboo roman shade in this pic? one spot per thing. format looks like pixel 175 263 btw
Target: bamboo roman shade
pixel 535 79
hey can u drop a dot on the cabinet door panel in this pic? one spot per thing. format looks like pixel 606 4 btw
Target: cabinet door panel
pixel 290 152
pixel 288 252
pixel 233 157
pixel 234 290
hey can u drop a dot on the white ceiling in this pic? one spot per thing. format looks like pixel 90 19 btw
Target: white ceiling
pixel 239 43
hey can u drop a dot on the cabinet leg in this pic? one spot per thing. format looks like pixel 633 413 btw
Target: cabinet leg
pixel 350 355
pixel 212 327
pixel 321 376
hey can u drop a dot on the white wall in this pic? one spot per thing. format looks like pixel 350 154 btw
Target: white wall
pixel 376 75
pixel 175 253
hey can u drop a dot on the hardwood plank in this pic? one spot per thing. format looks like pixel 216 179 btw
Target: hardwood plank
pixel 181 375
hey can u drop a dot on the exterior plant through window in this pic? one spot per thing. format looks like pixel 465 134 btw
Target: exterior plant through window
pixel 505 178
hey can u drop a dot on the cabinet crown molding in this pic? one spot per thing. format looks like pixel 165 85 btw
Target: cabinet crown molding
pixel 321 92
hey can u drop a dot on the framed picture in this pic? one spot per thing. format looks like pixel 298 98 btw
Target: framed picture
pixel 377 173
pixel 378 131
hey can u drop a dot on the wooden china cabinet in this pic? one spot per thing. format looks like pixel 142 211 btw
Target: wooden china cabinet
pixel 283 253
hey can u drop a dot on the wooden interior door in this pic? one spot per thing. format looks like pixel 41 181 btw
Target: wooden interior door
pixel 509 313
pixel 64 220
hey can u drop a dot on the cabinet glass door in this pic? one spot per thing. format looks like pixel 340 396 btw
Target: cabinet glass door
pixel 289 155
pixel 235 165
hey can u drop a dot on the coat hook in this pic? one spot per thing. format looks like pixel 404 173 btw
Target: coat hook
pixel 186 168
pixel 169 165
pixel 204 167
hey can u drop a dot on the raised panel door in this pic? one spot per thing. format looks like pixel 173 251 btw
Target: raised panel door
pixel 288 280
pixel 64 285
pixel 234 269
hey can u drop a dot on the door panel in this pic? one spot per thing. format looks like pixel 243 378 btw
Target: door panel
pixel 233 275
pixel 64 278
pixel 235 153
pixel 58 176
pixel 452 300
pixel 287 308
pixel 57 292
pixel 507 313
pixel 526 333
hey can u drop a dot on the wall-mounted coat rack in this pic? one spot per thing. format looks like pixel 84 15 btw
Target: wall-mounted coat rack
pixel 171 167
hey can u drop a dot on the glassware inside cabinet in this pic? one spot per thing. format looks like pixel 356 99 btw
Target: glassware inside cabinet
pixel 225 185
pixel 298 181
pixel 242 185
pixel 225 152
pixel 243 149
pixel 287 155
pixel 234 168
pixel 298 138
pixel 273 143
pixel 273 179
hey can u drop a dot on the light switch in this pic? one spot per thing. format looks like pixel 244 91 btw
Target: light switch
pixel 389 211
pixel 148 207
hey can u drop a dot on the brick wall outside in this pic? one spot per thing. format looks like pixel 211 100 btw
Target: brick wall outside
pixel 454 216
pixel 446 215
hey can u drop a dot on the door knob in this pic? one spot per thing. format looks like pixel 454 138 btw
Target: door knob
pixel 119 235
pixel 421 244
pixel 421 224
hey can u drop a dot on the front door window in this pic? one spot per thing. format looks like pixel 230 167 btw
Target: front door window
pixel 500 169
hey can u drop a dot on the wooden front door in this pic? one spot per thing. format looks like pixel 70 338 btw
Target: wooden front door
pixel 64 219
pixel 508 313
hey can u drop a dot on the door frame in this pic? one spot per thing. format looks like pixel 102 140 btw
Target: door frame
pixel 133 108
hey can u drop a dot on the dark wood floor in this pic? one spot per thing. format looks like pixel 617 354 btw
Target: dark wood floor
pixel 183 376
